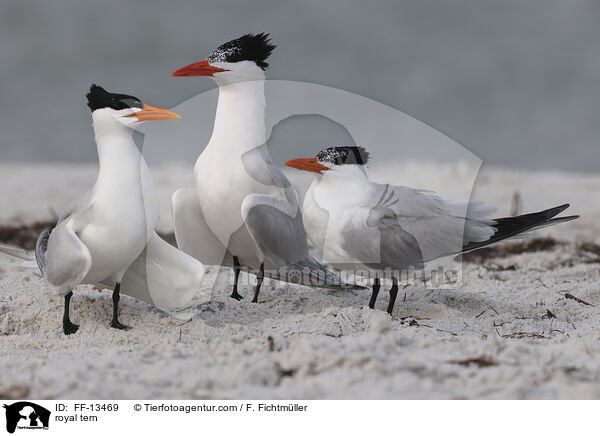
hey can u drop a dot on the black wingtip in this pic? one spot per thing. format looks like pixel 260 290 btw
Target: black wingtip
pixel 563 219
pixel 560 208
pixel 508 227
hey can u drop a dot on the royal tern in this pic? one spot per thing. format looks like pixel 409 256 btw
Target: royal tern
pixel 243 210
pixel 107 237
pixel 356 223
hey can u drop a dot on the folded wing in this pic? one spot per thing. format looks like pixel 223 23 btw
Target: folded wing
pixel 64 260
pixel 405 227
pixel 277 229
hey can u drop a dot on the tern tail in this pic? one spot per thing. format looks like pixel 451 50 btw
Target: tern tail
pixel 515 225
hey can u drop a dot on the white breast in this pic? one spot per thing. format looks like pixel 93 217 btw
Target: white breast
pixel 123 211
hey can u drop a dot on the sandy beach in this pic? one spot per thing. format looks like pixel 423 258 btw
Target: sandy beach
pixel 521 326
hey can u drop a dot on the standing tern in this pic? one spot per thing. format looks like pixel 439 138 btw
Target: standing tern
pixel 243 210
pixel 371 226
pixel 107 237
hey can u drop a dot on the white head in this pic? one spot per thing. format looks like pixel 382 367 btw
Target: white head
pixel 239 60
pixel 344 158
pixel 115 111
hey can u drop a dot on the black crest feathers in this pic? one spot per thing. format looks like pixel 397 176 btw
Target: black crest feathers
pixel 249 47
pixel 99 98
pixel 344 155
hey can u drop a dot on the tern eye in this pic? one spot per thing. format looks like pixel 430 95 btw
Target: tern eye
pixel 130 103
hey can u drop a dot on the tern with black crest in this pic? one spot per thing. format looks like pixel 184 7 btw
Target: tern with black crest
pixel 243 211
pixel 355 223
pixel 107 237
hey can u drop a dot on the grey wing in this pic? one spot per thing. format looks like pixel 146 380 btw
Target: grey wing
pixel 68 260
pixel 277 229
pixel 275 224
pixel 398 249
pixel 41 248
pixel 409 219
pixel 274 221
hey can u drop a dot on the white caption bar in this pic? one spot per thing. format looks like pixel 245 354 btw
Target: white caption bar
pixel 266 417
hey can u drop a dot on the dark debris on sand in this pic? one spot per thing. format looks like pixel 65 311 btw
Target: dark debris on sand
pixel 481 362
pixel 590 247
pixel 25 235
pixel 509 249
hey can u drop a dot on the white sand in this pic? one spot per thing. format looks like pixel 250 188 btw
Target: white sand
pixel 324 344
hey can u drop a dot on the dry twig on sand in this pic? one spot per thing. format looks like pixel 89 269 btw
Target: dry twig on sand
pixel 579 300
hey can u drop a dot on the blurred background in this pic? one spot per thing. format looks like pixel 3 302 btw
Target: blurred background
pixel 516 82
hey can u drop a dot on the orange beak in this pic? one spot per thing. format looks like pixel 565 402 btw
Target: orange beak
pixel 149 113
pixel 307 164
pixel 202 68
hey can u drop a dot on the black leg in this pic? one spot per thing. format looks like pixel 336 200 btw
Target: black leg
pixel 376 286
pixel 115 319
pixel 259 279
pixel 393 295
pixel 68 327
pixel 236 272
